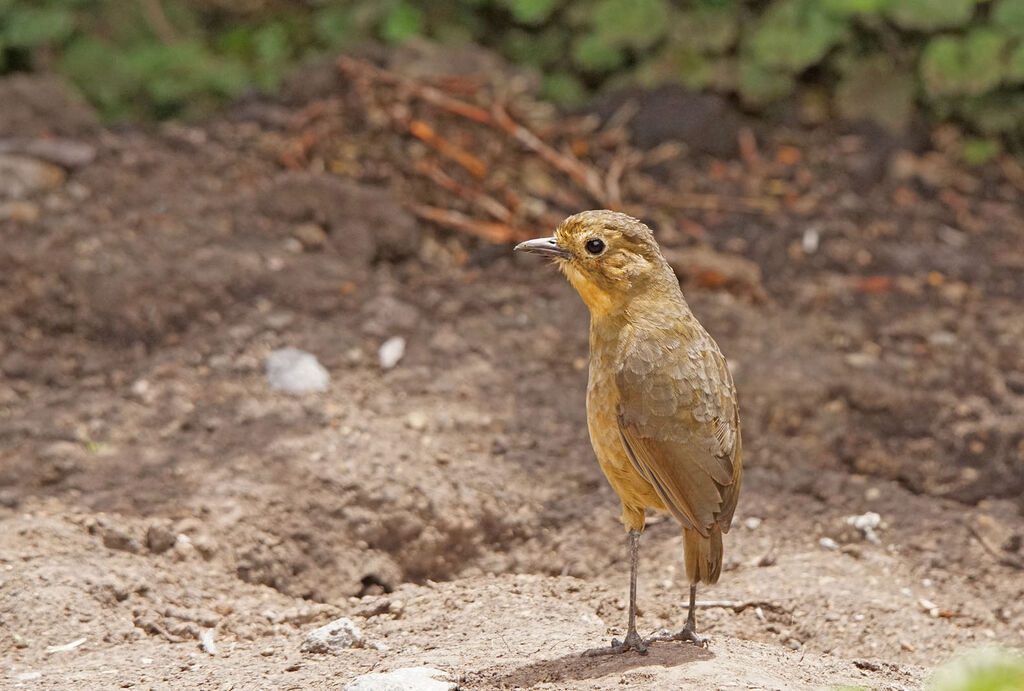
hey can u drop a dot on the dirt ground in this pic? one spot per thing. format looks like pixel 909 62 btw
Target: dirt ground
pixel 152 486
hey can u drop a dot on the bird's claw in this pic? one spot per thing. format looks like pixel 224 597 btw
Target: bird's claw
pixel 633 642
pixel 687 634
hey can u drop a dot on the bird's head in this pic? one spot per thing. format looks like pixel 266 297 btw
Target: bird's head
pixel 609 258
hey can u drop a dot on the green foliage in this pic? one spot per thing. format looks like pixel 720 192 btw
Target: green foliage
pixel 985 669
pixel 977 151
pixel 963 66
pixel 404 21
pixel 874 59
pixel 37 26
pixel 531 11
pixel 928 15
pixel 1008 16
pixel 792 35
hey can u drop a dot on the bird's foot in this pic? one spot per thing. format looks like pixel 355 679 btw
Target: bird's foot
pixel 633 642
pixel 687 634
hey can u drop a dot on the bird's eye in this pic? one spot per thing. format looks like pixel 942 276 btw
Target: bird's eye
pixel 594 246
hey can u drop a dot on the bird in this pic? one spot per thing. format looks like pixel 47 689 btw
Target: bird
pixel 662 410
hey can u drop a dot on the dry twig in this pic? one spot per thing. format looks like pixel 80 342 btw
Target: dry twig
pixel 492 231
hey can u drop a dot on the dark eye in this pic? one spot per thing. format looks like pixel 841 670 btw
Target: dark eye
pixel 594 245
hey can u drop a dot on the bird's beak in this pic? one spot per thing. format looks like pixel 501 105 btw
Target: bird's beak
pixel 546 246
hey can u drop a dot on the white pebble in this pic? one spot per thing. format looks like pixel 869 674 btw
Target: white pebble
pixel 391 351
pixel 828 543
pixel 407 678
pixel 810 240
pixel 207 643
pixel 866 524
pixel 331 638
pixel 295 371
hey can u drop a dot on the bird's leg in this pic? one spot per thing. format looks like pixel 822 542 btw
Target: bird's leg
pixel 633 640
pixel 689 632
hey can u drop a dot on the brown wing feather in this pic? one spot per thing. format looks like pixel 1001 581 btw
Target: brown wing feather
pixel 680 424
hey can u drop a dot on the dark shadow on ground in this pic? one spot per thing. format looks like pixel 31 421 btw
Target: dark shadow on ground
pixel 576 666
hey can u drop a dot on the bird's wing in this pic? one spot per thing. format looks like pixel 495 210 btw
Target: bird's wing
pixel 679 422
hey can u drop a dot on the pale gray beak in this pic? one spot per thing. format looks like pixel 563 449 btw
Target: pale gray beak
pixel 546 246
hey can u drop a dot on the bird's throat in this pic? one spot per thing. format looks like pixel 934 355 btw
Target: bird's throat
pixel 599 301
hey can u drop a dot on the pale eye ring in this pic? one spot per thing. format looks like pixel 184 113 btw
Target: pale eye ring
pixel 594 246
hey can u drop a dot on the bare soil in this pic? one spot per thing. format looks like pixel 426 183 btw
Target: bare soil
pixel 152 486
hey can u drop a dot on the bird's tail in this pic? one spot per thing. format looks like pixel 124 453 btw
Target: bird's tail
pixel 703 555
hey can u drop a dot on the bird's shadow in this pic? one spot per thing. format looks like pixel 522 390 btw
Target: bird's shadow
pixel 577 666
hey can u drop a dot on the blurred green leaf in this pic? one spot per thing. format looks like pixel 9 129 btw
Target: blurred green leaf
pixel 28 27
pixel 594 54
pixel 538 49
pixel 963 66
pixel 986 669
pixel 676 63
pixel 710 29
pixel 847 8
pixel 272 44
pixel 531 11
pixel 926 15
pixel 404 21
pixel 995 114
pixel 630 23
pixel 563 89
pixel 1015 66
pixel 759 85
pixel 1008 15
pixel 792 35
pixel 333 26
pixel 977 151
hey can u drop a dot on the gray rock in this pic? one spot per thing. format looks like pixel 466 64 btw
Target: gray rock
pixel 21 176
pixel 386 314
pixel 332 638
pixel 114 538
pixel 295 371
pixel 405 679
pixel 159 539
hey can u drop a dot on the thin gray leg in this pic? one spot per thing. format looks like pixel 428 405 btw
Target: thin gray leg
pixel 633 640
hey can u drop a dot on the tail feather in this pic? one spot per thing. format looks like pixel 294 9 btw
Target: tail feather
pixel 703 555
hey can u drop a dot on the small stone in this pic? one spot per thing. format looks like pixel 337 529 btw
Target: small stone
pixel 499 445
pixel 810 240
pixel 404 679
pixel 928 607
pixel 861 360
pixel 332 638
pixel 120 540
pixel 295 371
pixel 752 523
pixel 829 544
pixel 159 539
pixel 19 211
pixel 205 545
pixel 866 524
pixel 312 236
pixel 207 643
pixel 21 176
pixel 416 420
pixel 391 351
